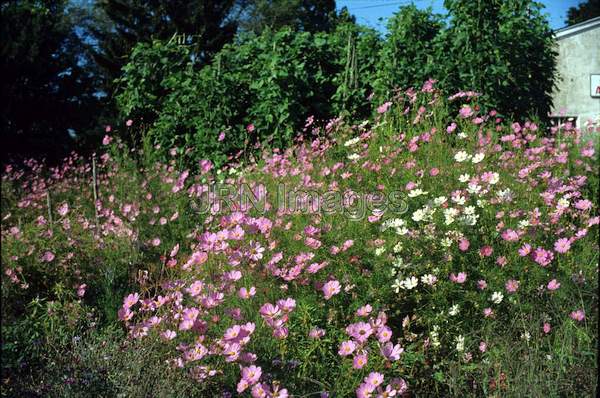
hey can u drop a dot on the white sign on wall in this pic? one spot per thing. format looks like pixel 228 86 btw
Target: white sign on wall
pixel 595 85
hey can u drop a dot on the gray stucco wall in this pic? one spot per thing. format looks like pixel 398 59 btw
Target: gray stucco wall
pixel 578 57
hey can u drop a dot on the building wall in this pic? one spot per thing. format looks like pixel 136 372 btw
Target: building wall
pixel 578 57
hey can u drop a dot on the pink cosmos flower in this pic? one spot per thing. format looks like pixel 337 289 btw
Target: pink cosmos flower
pixel 460 278
pixel 108 129
pixel 364 391
pixel 129 122
pixel 287 305
pixel 131 300
pixel 125 314
pixel 542 256
pixel 48 256
pixel 525 250
pixel 255 251
pixel 347 244
pixel 269 310
pixel 221 136
pixel 466 111
pixel 483 346
pixel 360 360
pixel 463 244
pixel 205 166
pixel 501 261
pixel 360 331
pixel 364 310
pixel 316 333
pixel 246 293
pixel 481 284
pixel 384 334
pixel 251 374
pixel 486 251
pixel 546 328
pixel 391 352
pixel 553 285
pixel 510 235
pixel 488 312
pixel 197 258
pixel 189 316
pixel 383 108
pixel 331 288
pixel 347 348
pixel 250 128
pixel 168 335
pixel 583 204
pixel 374 379
pixel 578 315
pixel 562 245
pixel 81 290
pixel 512 285
pixel 106 140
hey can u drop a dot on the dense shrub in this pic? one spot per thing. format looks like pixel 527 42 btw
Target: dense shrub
pixel 408 57
pixel 273 81
pixel 258 90
pixel 502 49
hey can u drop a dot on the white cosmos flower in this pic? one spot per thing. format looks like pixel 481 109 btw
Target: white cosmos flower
pixel 429 279
pixel 379 251
pixel 409 283
pixel 449 214
pixel 401 231
pixel 505 195
pixel 469 210
pixel 398 247
pixel 495 178
pixel 352 141
pixel 470 219
pixel 454 310
pixel 562 203
pixel 434 336
pixel 462 135
pixel 396 285
pixel 460 343
pixel 524 224
pixel 446 242
pixel 461 156
pixel 418 215
pixel 478 157
pixel 353 156
pixel 464 178
pixel 416 192
pixel 474 188
pixel 399 263
pixel 459 199
pixel 440 200
pixel 497 297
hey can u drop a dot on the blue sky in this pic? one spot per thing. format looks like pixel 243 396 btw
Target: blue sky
pixel 368 12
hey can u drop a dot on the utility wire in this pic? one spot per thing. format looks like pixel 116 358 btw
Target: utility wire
pixel 380 5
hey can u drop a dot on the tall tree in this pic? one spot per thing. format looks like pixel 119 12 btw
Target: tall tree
pixel 583 12
pixel 406 59
pixel 502 48
pixel 304 15
pixel 205 25
pixel 47 87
